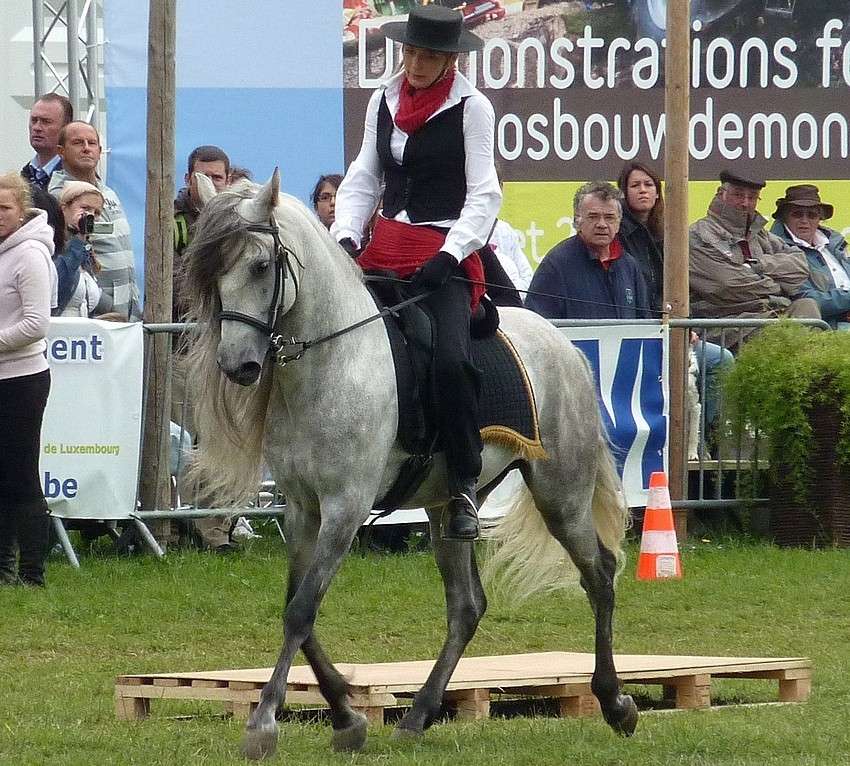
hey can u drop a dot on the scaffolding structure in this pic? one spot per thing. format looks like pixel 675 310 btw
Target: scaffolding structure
pixel 78 75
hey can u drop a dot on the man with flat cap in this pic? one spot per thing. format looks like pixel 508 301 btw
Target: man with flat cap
pixel 738 268
pixel 799 216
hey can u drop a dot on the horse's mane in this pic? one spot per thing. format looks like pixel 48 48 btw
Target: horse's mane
pixel 230 418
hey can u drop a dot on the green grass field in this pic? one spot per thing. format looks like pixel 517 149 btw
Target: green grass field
pixel 61 648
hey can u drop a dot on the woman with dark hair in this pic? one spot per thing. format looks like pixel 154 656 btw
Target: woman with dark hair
pixel 642 227
pixel 642 235
pixel 428 147
pixel 323 197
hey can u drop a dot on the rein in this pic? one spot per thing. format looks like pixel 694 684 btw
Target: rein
pixel 292 350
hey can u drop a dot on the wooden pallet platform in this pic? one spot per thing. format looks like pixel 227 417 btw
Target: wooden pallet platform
pixel 563 676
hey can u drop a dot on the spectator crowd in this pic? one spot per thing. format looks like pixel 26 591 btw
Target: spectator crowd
pixel 68 233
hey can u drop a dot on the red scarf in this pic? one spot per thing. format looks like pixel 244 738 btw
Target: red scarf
pixel 403 248
pixel 415 106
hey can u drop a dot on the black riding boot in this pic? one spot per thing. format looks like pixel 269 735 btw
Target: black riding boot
pixel 460 517
pixel 8 548
pixel 33 540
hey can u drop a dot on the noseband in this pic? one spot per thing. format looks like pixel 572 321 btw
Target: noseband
pixel 282 268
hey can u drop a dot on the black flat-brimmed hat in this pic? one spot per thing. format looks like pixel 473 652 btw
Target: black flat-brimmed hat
pixel 435 28
pixel 803 195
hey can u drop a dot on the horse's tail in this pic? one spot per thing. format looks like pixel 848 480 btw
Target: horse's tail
pixel 526 559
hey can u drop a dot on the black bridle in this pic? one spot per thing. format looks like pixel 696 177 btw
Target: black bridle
pixel 291 350
pixel 282 267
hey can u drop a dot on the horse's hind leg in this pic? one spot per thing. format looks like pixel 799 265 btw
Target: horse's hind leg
pixel 465 603
pixel 571 524
pixel 332 543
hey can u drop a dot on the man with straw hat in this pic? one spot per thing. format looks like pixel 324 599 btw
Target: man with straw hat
pixel 428 145
pixel 799 216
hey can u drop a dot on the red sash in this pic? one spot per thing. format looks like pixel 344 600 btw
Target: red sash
pixel 403 248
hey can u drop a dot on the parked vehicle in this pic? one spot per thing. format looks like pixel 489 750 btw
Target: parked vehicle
pixel 650 16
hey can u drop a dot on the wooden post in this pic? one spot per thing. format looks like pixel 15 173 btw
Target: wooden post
pixel 676 154
pixel 159 251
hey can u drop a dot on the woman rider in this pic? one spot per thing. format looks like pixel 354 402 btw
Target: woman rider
pixel 428 144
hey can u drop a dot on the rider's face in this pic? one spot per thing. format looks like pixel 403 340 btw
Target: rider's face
pixel 423 66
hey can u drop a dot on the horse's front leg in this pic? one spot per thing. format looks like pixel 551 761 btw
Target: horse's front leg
pixel 301 530
pixel 465 604
pixel 332 543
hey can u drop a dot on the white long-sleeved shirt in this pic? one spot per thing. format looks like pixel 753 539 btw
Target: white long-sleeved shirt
pixel 360 191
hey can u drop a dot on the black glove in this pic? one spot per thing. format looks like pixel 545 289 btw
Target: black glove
pixel 434 273
pixel 348 245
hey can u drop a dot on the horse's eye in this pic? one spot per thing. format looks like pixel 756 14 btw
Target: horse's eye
pixel 260 268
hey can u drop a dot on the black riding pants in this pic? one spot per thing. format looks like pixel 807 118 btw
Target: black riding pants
pixel 23 510
pixel 456 380
pixel 22 403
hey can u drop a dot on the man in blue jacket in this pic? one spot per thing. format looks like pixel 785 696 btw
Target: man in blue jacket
pixel 799 215
pixel 590 275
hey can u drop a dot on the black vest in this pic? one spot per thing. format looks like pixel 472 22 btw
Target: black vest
pixel 430 183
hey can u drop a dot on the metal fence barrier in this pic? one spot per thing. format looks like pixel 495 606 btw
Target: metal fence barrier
pixel 715 475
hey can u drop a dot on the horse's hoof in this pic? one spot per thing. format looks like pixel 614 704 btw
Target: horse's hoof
pixel 352 738
pixel 624 719
pixel 403 733
pixel 259 744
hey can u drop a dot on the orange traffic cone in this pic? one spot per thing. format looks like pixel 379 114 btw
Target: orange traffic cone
pixel 659 551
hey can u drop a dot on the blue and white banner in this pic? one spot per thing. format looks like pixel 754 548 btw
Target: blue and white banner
pixel 92 425
pixel 629 364
pixel 261 79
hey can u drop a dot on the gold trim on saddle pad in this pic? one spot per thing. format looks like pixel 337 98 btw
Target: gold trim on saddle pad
pixel 528 448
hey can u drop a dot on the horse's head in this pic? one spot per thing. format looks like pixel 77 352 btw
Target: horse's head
pixel 238 256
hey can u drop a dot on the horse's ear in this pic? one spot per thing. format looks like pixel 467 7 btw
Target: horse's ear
pixel 266 198
pixel 206 190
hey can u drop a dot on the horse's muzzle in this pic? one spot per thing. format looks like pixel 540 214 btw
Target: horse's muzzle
pixel 245 374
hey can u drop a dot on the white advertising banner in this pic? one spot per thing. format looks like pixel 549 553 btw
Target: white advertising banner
pixel 92 426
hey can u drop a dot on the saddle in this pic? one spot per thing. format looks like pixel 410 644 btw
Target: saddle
pixel 507 412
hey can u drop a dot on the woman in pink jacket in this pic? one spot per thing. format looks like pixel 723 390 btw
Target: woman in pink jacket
pixel 27 287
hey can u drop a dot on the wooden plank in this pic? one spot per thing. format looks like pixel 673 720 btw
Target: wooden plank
pixel 564 676
pixel 131 708
pixel 470 704
pixel 795 689
pixel 188 693
pixel 693 692
pixel 578 706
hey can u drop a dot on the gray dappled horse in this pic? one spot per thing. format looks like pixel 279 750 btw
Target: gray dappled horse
pixel 262 264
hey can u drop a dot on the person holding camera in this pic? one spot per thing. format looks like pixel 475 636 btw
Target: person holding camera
pixel 77 267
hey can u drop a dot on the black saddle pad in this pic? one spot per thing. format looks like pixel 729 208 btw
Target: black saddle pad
pixel 507 412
